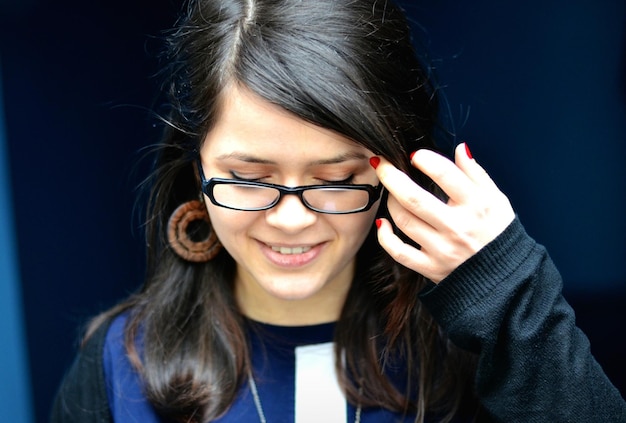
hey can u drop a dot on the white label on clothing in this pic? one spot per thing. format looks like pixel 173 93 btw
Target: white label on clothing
pixel 318 396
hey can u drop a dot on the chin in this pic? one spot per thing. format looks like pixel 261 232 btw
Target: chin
pixel 291 291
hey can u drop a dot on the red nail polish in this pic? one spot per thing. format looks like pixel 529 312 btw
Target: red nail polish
pixel 378 223
pixel 374 161
pixel 468 152
pixel 412 154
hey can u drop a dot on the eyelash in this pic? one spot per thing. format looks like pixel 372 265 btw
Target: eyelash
pixel 239 178
pixel 345 181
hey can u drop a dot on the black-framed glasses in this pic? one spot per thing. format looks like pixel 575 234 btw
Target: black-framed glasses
pixel 255 196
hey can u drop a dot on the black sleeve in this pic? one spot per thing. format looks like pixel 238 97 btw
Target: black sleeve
pixel 82 397
pixel 535 365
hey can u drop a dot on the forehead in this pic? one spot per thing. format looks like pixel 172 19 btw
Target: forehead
pixel 249 126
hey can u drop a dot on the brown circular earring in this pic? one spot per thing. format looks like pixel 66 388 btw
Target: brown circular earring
pixel 190 233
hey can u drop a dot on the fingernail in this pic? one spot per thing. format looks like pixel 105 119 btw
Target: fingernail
pixel 374 161
pixel 412 154
pixel 468 152
pixel 378 223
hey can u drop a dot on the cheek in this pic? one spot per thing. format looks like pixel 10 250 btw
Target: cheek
pixel 227 224
pixel 357 226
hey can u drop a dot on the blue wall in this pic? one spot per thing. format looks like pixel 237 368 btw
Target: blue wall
pixel 15 395
pixel 537 88
pixel 77 80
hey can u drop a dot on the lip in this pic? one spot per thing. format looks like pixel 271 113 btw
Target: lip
pixel 291 260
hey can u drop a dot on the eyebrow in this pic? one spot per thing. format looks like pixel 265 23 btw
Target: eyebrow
pixel 248 158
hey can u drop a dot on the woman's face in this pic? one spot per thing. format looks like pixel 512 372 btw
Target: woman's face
pixel 294 265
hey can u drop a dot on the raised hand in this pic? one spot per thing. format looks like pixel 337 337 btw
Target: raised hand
pixel 448 232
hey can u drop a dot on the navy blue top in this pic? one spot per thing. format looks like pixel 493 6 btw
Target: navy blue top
pixel 273 351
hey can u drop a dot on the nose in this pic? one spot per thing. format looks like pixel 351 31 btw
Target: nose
pixel 290 215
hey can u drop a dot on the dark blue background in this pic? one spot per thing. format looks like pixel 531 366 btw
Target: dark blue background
pixel 537 89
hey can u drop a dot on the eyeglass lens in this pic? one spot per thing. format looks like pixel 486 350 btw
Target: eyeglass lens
pixel 250 197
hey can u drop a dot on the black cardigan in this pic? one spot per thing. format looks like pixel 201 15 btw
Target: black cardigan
pixel 82 398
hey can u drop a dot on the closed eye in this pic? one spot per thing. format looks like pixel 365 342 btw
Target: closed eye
pixel 238 177
pixel 345 181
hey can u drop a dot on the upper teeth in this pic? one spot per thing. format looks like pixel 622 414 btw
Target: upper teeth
pixel 294 250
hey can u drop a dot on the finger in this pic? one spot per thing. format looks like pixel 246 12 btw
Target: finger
pixel 498 207
pixel 411 257
pixel 410 195
pixel 446 174
pixel 474 171
pixel 405 254
pixel 418 230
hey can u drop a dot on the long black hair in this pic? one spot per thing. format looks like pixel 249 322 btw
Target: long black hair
pixel 348 66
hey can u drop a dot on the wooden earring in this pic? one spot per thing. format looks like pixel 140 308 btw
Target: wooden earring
pixel 190 233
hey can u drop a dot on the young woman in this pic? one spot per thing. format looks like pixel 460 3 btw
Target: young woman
pixel 312 258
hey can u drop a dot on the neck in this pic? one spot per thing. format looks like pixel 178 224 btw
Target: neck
pixel 324 306
pixel 292 313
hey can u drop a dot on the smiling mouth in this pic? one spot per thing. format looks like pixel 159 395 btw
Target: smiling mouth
pixel 290 251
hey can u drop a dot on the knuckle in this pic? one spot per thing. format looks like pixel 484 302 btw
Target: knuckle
pixel 400 256
pixel 402 221
pixel 413 202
